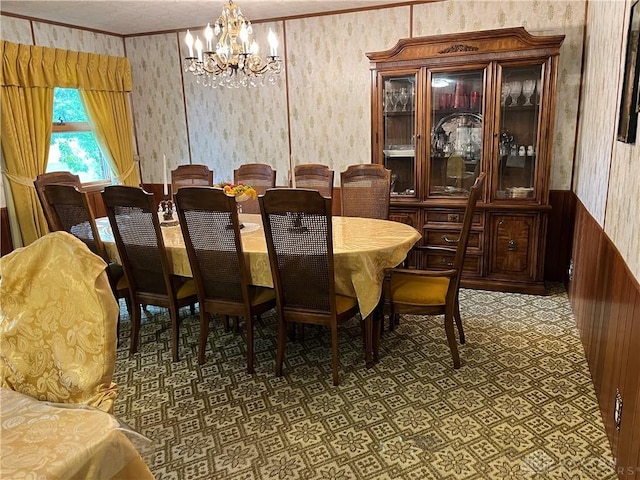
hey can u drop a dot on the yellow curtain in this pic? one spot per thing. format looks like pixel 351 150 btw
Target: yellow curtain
pixel 26 134
pixel 29 75
pixel 110 116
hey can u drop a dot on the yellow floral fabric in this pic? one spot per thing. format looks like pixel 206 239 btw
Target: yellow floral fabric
pixel 363 248
pixel 58 320
pixel 47 441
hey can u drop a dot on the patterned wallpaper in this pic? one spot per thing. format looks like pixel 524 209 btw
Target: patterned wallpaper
pixel 56 36
pixel 539 17
pixel 16 30
pixel 599 105
pixel 229 127
pixel 329 83
pixel 621 217
pixel 158 106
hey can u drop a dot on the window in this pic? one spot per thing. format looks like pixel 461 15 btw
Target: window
pixel 73 145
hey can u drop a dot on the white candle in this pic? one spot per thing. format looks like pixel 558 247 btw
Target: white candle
pixel 273 43
pixel 189 40
pixel 164 175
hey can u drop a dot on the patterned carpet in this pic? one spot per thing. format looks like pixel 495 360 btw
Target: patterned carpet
pixel 521 407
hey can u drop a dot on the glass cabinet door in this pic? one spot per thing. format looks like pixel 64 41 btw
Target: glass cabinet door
pixel 456 131
pixel 519 114
pixel 399 124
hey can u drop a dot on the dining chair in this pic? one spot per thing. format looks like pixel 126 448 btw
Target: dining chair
pixel 365 191
pixel 69 210
pixel 190 175
pixel 58 325
pixel 137 232
pixel 211 230
pixel 435 292
pixel 258 175
pixel 298 230
pixel 316 177
pixel 64 178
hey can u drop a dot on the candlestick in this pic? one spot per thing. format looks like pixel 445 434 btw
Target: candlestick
pixel 164 175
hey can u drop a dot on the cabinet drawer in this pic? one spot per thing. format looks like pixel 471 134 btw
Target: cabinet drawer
pixel 438 261
pixel 452 216
pixel 408 217
pixel 449 238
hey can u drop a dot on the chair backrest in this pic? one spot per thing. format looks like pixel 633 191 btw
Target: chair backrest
pixel 258 175
pixel 211 230
pixel 72 213
pixel 365 191
pixel 65 178
pixel 58 325
pixel 136 230
pixel 298 231
pixel 190 175
pixel 461 249
pixel 315 176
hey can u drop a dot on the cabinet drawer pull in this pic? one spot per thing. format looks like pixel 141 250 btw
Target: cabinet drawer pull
pixel 449 240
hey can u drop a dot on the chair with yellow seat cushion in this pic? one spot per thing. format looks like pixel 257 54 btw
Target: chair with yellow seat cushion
pixel 298 230
pixel 137 232
pixel 58 323
pixel 211 230
pixel 425 292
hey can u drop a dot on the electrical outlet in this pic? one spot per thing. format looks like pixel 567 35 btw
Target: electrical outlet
pixel 617 410
pixel 570 270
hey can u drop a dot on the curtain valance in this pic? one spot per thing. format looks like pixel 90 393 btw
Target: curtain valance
pixel 36 66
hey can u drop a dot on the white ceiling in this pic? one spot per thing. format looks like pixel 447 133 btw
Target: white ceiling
pixel 130 17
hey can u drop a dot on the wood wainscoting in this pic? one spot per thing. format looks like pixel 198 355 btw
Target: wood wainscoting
pixel 605 299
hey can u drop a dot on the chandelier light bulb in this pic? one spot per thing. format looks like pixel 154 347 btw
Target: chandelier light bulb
pixel 208 35
pixel 189 41
pixel 273 43
pixel 199 48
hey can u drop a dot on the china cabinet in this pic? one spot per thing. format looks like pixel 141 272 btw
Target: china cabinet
pixel 444 109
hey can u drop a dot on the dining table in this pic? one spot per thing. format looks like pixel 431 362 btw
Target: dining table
pixel 363 249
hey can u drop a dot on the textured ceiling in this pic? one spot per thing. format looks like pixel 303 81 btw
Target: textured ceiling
pixel 130 17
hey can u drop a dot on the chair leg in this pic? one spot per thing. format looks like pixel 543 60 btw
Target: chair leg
pixel 451 338
pixel 456 315
pixel 334 348
pixel 175 332
pixel 135 328
pixel 204 335
pixel 249 325
pixel 226 323
pixel 282 345
pixel 368 343
pixel 375 332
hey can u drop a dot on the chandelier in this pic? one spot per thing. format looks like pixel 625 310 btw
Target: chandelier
pixel 235 62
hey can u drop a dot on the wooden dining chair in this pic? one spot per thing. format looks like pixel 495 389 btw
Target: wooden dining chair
pixel 211 230
pixel 137 232
pixel 69 210
pixel 365 191
pixel 190 175
pixel 258 175
pixel 64 178
pixel 435 292
pixel 298 230
pixel 315 176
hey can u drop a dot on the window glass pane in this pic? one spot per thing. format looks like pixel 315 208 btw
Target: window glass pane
pixel 77 152
pixel 68 106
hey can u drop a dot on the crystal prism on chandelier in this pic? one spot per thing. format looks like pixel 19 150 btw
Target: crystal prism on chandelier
pixel 235 61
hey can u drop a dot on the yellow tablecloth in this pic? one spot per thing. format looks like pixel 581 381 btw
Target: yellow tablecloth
pixel 61 441
pixel 362 247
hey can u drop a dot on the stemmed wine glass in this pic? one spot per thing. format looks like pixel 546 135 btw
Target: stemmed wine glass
pixel 404 98
pixel 538 89
pixel 527 90
pixel 504 94
pixel 516 90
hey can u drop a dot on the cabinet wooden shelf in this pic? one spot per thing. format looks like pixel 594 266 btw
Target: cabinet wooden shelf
pixel 471 102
